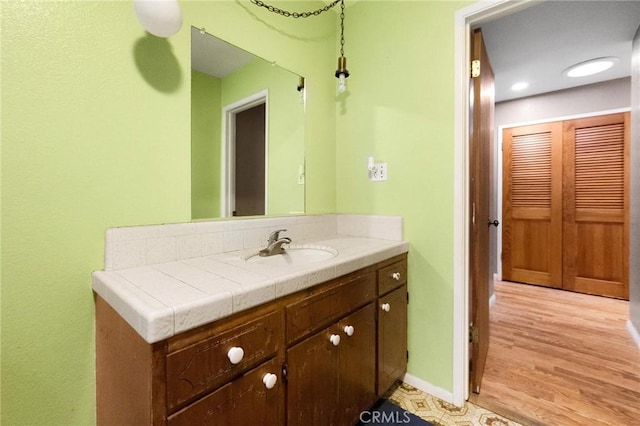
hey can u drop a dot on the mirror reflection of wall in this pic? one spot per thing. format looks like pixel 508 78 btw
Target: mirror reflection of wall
pixel 240 169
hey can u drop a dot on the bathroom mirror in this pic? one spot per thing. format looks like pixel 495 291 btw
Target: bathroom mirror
pixel 247 133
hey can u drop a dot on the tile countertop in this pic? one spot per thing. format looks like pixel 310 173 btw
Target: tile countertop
pixel 165 299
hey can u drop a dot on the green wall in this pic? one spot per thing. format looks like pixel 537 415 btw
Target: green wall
pixel 96 134
pixel 206 148
pixel 399 108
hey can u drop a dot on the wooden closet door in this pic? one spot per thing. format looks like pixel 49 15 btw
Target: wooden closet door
pixel 596 205
pixel 532 204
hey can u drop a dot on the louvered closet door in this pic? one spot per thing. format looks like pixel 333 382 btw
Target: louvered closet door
pixel 596 205
pixel 532 204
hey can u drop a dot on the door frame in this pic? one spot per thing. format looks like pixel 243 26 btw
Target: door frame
pixel 464 19
pixel 227 172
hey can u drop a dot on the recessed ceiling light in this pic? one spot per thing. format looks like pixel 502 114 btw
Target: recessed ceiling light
pixel 590 67
pixel 520 86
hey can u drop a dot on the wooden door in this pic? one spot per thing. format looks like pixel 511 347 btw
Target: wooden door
pixel 532 204
pixel 392 338
pixel 312 385
pixel 481 140
pixel 250 161
pixel 566 205
pixel 596 205
pixel 357 372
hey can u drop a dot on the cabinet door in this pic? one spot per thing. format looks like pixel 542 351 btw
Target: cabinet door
pixel 357 372
pixel 312 387
pixel 244 401
pixel 392 338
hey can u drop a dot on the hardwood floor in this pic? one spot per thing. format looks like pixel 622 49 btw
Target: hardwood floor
pixel 560 358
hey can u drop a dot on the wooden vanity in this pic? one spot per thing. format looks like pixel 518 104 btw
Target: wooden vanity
pixel 316 357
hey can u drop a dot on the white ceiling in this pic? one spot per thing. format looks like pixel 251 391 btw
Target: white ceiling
pixel 215 57
pixel 538 43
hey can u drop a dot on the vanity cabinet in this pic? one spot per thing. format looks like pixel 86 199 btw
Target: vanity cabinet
pixel 317 357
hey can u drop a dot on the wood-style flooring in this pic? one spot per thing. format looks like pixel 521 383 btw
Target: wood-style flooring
pixel 560 358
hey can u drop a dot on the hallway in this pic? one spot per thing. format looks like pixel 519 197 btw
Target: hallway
pixel 560 358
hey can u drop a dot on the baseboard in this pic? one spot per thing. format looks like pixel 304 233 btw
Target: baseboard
pixel 492 300
pixel 429 388
pixel 635 335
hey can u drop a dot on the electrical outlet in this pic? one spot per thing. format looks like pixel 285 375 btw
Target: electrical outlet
pixel 379 172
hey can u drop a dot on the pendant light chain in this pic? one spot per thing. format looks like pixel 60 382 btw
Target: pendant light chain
pixel 288 14
pixel 341 73
pixel 342 28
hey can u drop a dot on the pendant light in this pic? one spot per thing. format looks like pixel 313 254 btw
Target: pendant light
pixel 342 73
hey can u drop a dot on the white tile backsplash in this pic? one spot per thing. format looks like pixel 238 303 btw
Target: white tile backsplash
pixel 147 245
pixel 189 246
pixel 382 227
pixel 162 249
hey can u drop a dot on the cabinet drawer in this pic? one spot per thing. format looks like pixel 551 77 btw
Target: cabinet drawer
pixel 244 401
pixel 392 276
pixel 206 365
pixel 318 310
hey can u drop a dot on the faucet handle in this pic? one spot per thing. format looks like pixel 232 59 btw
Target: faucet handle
pixel 275 235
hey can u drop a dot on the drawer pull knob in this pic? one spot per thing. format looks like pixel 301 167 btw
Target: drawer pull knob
pixel 396 276
pixel 269 380
pixel 386 307
pixel 335 339
pixel 348 330
pixel 235 354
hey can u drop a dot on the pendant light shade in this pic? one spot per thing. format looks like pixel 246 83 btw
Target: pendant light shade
pixel 162 18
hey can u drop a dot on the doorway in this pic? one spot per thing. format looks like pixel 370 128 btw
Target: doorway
pixel 477 15
pixel 244 177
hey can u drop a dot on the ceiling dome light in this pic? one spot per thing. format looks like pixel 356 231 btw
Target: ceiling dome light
pixel 590 67
pixel 519 86
pixel 162 18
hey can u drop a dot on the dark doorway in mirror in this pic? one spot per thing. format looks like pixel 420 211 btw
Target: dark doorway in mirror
pixel 250 161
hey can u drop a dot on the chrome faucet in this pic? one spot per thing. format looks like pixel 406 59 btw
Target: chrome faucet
pixel 274 244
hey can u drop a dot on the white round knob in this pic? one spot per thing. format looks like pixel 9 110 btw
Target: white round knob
pixel 348 330
pixel 396 276
pixel 269 380
pixel 235 354
pixel 335 339
pixel 386 307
